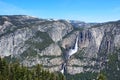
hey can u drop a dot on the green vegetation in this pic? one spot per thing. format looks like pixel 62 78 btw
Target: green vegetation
pixel 82 76
pixel 46 40
pixel 10 59
pixel 15 71
pixel 101 77
pixel 110 72
pixel 49 56
pixel 29 52
pixel 76 65
pixel 79 54
pixel 87 76
pixel 72 32
pixel 40 45
pixel 78 29
pixel 112 67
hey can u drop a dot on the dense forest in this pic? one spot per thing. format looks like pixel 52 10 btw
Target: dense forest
pixel 15 71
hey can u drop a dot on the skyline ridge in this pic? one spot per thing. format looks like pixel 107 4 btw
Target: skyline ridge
pixel 83 10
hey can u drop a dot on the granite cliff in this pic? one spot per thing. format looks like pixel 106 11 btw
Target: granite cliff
pixel 32 40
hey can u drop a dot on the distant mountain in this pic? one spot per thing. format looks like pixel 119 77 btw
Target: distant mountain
pixel 33 40
pixel 81 24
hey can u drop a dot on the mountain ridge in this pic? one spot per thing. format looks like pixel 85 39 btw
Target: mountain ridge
pixel 32 40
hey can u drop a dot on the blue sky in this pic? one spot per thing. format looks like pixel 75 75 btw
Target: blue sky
pixel 83 10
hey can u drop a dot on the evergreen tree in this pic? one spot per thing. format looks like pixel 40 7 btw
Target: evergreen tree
pixel 101 77
pixel 38 71
pixel 15 71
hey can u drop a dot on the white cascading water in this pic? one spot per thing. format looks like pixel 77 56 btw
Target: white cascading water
pixel 74 50
pixel 62 71
pixel 63 68
pixel 70 53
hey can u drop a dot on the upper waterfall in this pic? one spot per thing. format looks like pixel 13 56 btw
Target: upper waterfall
pixel 74 49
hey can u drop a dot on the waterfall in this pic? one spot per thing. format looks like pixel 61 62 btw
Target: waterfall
pixel 73 50
pixel 70 53
pixel 63 68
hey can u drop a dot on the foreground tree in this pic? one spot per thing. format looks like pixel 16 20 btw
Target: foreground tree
pixel 101 77
pixel 15 71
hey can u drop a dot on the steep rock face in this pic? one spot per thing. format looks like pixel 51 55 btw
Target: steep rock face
pixel 95 45
pixel 56 29
pixel 9 43
pixel 16 30
pixel 53 49
pixel 93 39
pixel 31 41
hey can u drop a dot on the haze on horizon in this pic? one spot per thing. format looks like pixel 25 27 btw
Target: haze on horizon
pixel 83 10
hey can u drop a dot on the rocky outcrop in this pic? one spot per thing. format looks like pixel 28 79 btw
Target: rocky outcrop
pixel 12 43
pixel 75 70
pixel 52 50
pixel 56 29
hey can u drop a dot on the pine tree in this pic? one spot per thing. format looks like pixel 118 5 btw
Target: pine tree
pixel 15 71
pixel 101 77
pixel 53 76
pixel 38 71
pixel 3 69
